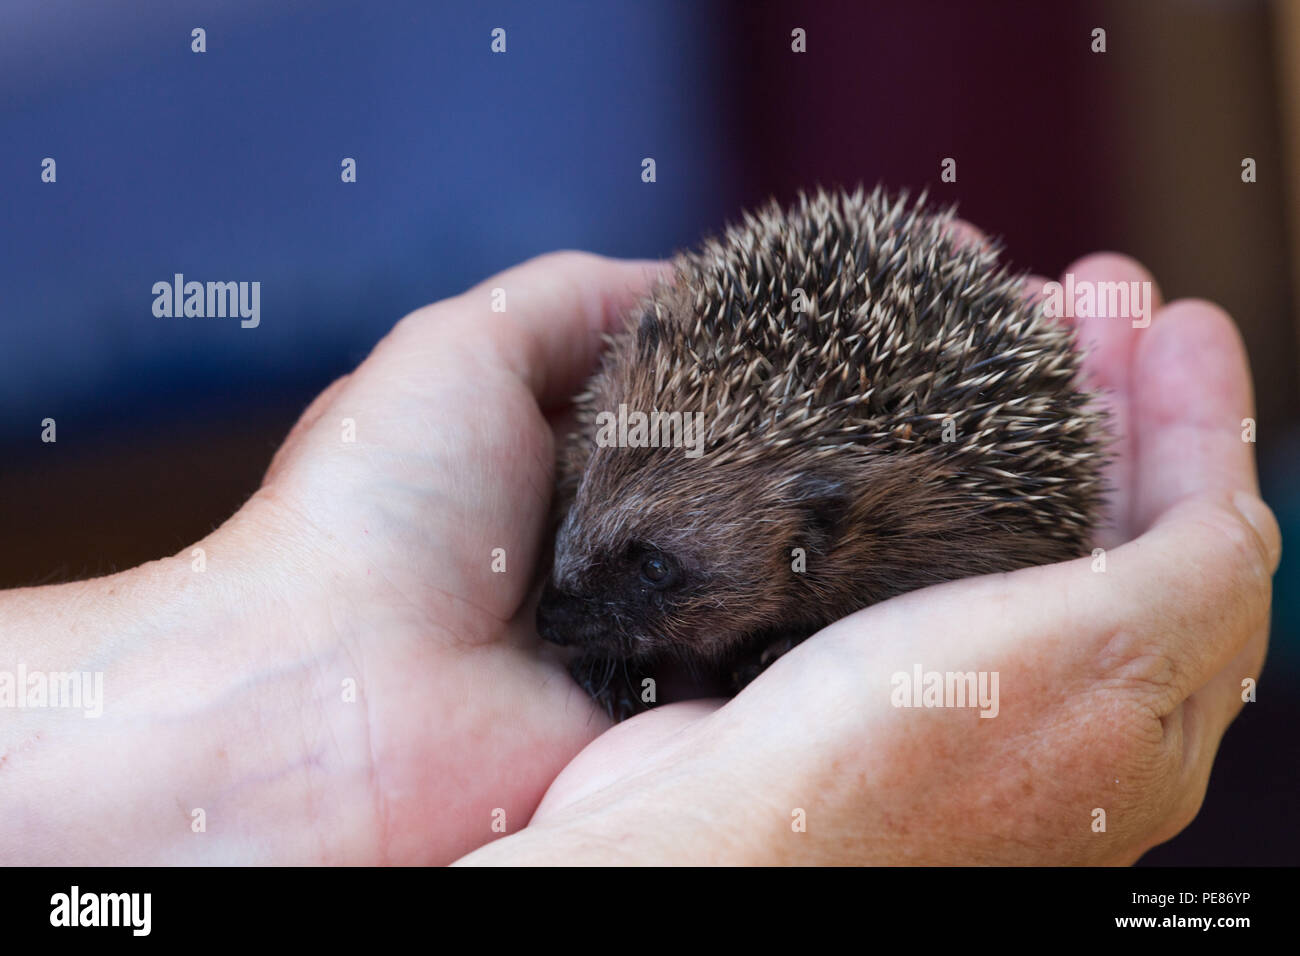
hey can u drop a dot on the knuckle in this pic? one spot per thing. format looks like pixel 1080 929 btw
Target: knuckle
pixel 1138 761
pixel 1262 526
pixel 431 318
pixel 1242 541
pixel 1138 662
pixel 1242 556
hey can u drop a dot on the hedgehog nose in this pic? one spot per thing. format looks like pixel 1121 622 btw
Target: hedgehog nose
pixel 556 620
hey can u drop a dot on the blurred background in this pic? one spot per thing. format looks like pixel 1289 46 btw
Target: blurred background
pixel 225 165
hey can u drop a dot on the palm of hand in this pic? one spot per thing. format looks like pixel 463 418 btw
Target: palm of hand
pixel 469 718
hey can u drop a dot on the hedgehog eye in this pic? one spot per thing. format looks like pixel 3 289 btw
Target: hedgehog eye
pixel 659 571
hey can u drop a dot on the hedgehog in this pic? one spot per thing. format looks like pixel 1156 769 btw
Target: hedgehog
pixel 824 407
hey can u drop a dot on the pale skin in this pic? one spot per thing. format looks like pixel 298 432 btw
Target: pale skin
pixel 349 681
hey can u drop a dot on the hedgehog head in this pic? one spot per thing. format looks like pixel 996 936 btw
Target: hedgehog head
pixel 661 554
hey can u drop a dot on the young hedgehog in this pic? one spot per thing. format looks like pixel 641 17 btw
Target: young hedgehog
pixel 873 392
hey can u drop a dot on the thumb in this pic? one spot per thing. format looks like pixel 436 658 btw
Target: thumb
pixel 542 321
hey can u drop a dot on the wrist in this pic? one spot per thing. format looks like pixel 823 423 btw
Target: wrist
pixel 208 740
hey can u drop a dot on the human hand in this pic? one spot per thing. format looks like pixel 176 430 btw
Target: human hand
pixel 1115 687
pixel 465 711
pixel 347 680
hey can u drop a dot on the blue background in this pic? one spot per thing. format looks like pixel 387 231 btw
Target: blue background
pixel 226 166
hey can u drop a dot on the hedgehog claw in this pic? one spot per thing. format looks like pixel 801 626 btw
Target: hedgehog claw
pixel 609 684
pixel 762 655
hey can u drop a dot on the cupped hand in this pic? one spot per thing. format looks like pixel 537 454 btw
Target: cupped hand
pixel 1118 673
pixel 411 500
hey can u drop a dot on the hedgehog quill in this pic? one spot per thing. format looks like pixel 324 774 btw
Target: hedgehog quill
pixel 882 407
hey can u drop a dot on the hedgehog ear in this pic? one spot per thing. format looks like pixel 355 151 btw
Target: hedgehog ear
pixel 647 333
pixel 825 503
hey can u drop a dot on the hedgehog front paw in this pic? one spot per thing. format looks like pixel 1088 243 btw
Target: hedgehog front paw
pixel 610 684
pixel 760 657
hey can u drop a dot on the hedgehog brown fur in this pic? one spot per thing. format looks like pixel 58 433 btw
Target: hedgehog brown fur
pixel 918 421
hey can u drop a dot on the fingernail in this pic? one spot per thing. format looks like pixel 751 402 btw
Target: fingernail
pixel 1260 517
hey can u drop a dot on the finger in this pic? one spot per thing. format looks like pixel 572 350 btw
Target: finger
pixel 557 307
pixel 1202 722
pixel 1217 703
pixel 564 424
pixel 630 743
pixel 1034 289
pixel 1170 610
pixel 1177 605
pixel 1214 706
pixel 1191 395
pixel 963 233
pixel 1108 343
